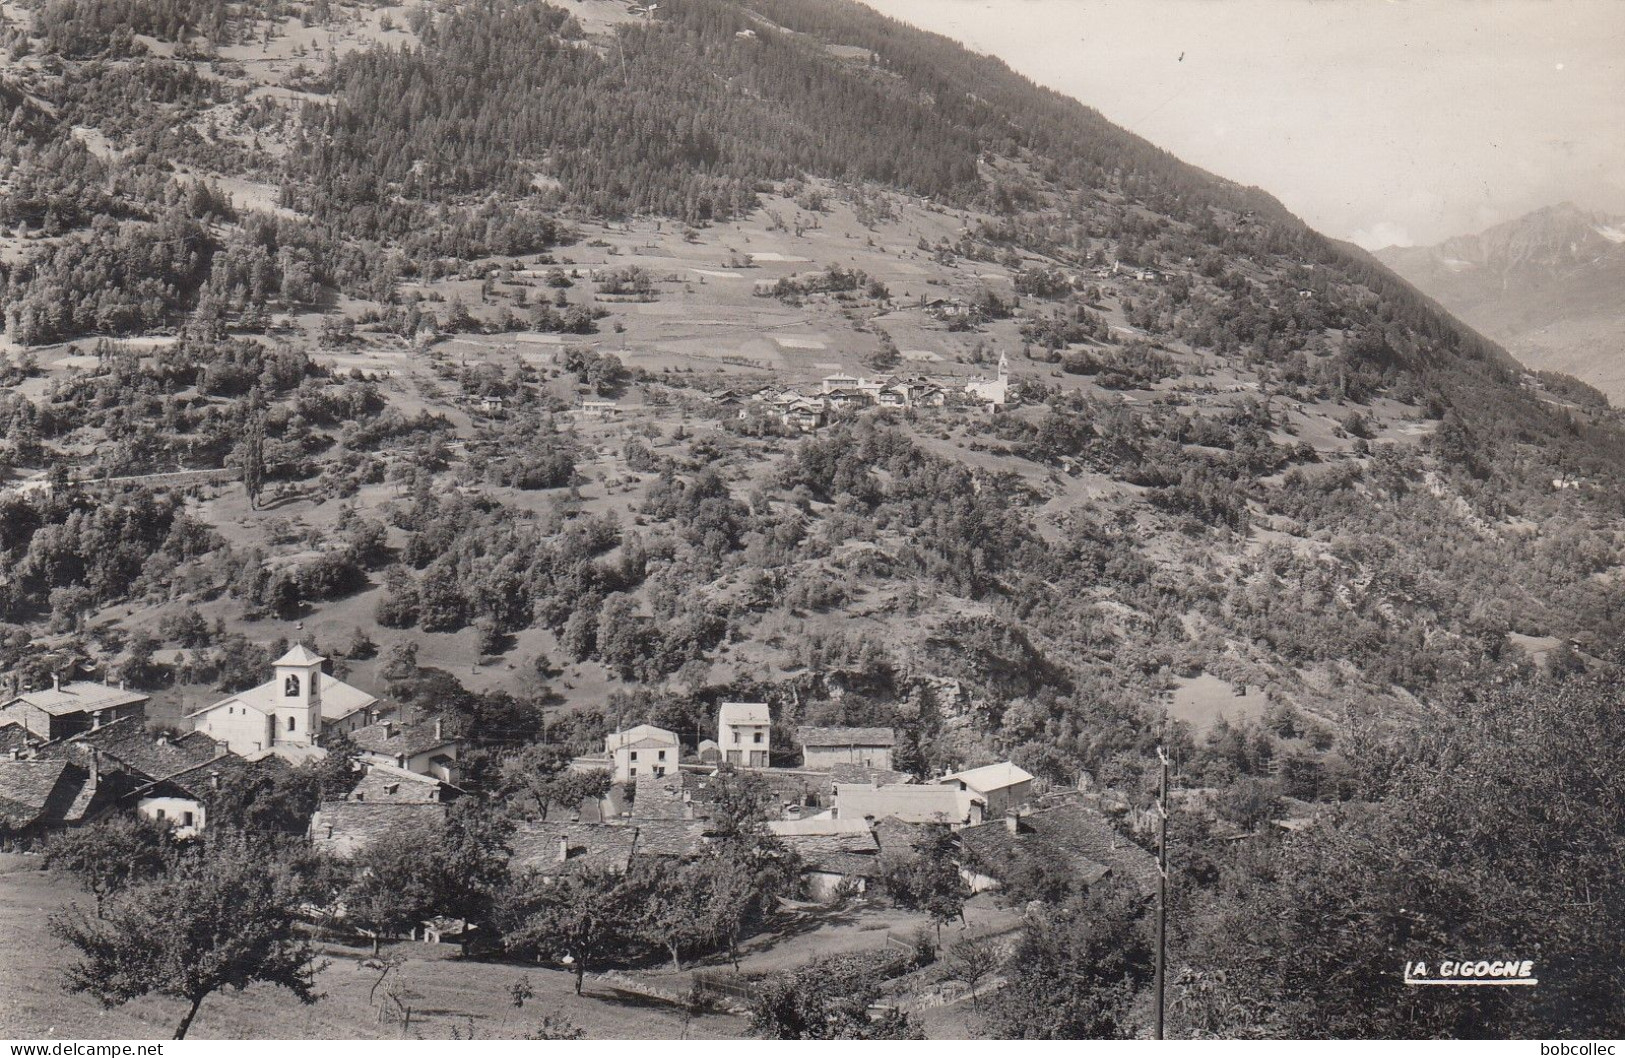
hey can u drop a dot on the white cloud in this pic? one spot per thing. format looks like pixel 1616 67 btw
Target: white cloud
pixel 1381 234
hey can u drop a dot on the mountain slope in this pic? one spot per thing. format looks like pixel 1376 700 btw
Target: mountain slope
pixel 1550 286
pixel 763 192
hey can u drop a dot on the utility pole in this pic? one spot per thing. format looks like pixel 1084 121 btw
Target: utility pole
pixel 1162 890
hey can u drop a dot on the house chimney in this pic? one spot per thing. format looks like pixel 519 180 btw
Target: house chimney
pixel 95 765
pixel 121 685
pixel 1012 821
pixel 56 681
pixel 163 738
pixel 16 753
pixel 438 730
pixel 214 781
pixel 564 849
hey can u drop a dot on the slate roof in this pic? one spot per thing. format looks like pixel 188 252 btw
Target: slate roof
pixel 908 803
pixel 78 697
pixel 128 743
pixel 201 781
pixel 845 736
pixel 663 796
pixel 356 824
pixel 669 837
pixel 792 787
pixel 844 772
pixel 397 785
pixel 990 777
pixel 591 845
pixel 42 792
pixel 895 837
pixel 1079 833
pixel 390 737
pixel 842 862
pixel 16 736
pixel 841 846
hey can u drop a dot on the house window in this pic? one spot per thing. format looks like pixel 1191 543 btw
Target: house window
pixel 290 723
pixel 631 773
pixel 662 754
pixel 659 772
pixel 186 819
pixel 758 738
pixel 633 755
pixel 290 687
pixel 160 816
pixel 736 736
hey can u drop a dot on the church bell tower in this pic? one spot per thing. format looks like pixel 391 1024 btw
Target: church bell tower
pixel 297 687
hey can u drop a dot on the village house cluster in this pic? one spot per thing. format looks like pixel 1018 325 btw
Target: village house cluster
pixel 81 750
pixel 837 801
pixel 799 410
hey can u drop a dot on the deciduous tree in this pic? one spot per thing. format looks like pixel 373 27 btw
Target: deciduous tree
pixel 219 918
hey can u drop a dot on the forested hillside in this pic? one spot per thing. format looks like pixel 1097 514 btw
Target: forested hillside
pixel 303 301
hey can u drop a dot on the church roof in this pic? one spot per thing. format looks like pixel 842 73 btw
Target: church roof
pixel 339 699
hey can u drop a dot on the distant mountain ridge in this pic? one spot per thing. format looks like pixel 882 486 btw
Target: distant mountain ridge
pixel 1550 286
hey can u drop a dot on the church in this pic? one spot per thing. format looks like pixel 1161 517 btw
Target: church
pixel 994 391
pixel 289 714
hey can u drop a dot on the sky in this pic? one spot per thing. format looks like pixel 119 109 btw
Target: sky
pixel 1385 122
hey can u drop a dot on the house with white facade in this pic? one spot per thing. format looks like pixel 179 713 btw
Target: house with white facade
pixel 1002 786
pixel 744 731
pixel 422 747
pixel 182 801
pixel 909 803
pixel 839 381
pixel 642 750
